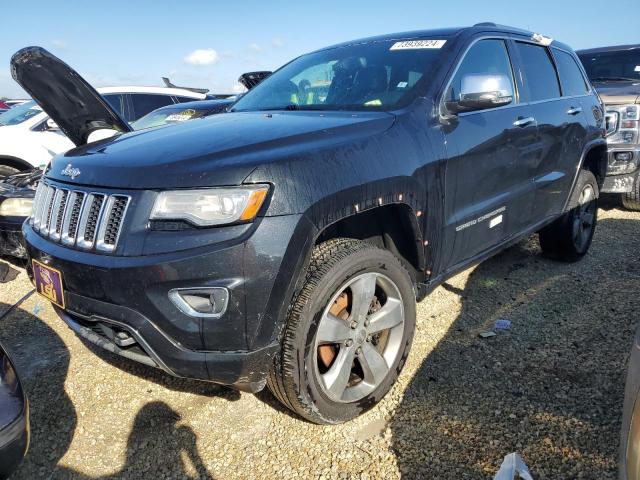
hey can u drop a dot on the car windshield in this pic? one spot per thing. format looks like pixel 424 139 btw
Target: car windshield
pixel 620 65
pixel 381 75
pixel 20 113
pixel 164 116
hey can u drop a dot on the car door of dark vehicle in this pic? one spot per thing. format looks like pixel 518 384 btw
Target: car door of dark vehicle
pixel 561 126
pixel 489 170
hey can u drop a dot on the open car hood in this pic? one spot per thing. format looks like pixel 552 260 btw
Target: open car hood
pixel 68 99
pixel 251 79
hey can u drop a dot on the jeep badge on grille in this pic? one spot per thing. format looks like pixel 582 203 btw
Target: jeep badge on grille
pixel 69 171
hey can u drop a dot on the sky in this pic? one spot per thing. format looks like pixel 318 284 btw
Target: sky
pixel 209 44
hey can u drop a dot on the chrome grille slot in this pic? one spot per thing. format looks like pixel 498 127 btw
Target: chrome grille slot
pixel 70 224
pixel 37 202
pixel 89 220
pixel 46 211
pixel 54 212
pixel 79 219
pixel 110 229
pixel 60 210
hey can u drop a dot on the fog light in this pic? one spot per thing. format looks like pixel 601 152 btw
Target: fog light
pixel 201 302
pixel 624 156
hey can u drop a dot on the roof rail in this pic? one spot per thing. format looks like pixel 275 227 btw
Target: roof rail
pixel 485 24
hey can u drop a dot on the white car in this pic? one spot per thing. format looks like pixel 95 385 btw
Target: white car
pixel 28 138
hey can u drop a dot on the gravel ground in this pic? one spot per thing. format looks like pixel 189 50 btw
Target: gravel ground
pixel 550 388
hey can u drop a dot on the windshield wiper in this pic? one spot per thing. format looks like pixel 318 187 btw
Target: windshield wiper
pixel 615 79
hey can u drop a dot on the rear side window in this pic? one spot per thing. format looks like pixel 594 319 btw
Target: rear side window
pixel 144 103
pixel 539 73
pixel 571 77
pixel 487 57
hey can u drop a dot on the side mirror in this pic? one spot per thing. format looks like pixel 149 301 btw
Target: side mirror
pixel 51 125
pixel 482 91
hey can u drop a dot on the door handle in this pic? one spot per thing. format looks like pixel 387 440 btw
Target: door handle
pixel 574 110
pixel 523 122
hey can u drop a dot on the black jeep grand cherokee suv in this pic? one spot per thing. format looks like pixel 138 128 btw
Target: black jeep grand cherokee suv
pixel 285 243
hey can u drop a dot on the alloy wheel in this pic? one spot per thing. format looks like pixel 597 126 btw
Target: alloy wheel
pixel 359 337
pixel 584 218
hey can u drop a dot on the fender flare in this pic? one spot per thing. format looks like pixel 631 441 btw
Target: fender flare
pixel 598 142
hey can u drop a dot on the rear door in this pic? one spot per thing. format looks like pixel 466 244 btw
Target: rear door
pixel 561 123
pixel 489 170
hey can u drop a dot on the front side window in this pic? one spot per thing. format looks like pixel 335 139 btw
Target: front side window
pixel 540 74
pixel 571 77
pixel 485 67
pixel 620 65
pixel 144 103
pixel 380 75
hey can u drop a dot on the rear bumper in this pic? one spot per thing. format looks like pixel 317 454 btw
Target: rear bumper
pixel 14 442
pixel 14 417
pixel 629 459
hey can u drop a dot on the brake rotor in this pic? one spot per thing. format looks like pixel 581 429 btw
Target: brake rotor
pixel 327 353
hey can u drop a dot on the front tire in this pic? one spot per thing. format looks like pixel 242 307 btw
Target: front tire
pixel 569 237
pixel 631 200
pixel 348 333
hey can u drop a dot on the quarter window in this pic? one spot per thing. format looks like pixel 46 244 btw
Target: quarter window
pixel 486 57
pixel 539 73
pixel 571 77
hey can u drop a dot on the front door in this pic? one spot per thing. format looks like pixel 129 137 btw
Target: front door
pixel 488 187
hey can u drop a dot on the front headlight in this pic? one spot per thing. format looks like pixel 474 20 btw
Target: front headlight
pixel 16 207
pixel 628 124
pixel 210 206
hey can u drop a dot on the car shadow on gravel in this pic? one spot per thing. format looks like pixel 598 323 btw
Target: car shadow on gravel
pixel 42 360
pixel 551 387
pixel 157 447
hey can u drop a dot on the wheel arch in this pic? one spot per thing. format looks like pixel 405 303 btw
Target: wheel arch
pixel 15 162
pixel 594 158
pixel 394 227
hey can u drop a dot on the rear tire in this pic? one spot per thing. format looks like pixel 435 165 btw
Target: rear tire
pixel 347 335
pixel 631 200
pixel 6 170
pixel 569 237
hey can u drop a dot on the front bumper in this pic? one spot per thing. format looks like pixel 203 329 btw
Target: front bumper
pixel 619 183
pixel 109 297
pixel 11 239
pixel 616 182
